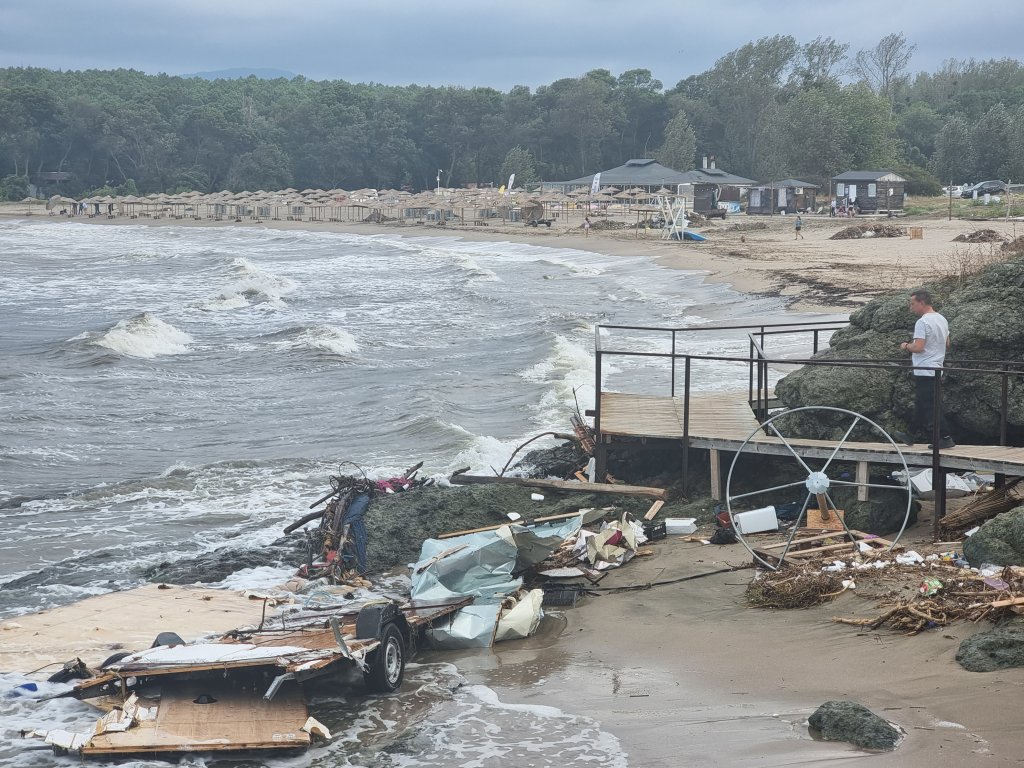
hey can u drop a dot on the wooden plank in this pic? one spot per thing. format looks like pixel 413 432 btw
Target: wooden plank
pixel 862 479
pixel 716 474
pixel 238 718
pixel 562 485
pixel 1008 602
pixel 546 519
pixel 833 522
pixel 654 510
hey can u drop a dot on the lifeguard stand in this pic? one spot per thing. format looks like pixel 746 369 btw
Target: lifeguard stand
pixel 674 211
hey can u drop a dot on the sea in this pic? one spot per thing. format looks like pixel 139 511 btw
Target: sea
pixel 168 391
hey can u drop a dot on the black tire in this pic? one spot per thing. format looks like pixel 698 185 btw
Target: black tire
pixel 387 666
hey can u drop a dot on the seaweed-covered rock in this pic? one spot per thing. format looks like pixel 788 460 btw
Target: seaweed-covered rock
pixel 883 513
pixel 855 723
pixel 1001 647
pixel 999 541
pixel 986 319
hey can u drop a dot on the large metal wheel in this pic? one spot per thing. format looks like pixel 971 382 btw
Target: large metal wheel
pixel 816 483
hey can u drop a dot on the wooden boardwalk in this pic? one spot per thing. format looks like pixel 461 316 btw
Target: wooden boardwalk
pixel 723 421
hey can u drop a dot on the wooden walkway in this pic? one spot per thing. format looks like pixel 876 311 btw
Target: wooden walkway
pixel 723 421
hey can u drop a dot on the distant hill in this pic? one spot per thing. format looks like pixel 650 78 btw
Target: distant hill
pixel 237 73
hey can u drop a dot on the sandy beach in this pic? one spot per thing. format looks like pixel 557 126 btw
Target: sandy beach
pixel 686 674
pixel 753 254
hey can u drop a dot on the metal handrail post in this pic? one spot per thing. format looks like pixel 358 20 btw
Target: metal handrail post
pixel 673 362
pixel 686 423
pixel 938 477
pixel 815 341
pixel 750 371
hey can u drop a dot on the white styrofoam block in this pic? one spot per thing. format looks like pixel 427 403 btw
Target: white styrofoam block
pixel 680 525
pixel 756 520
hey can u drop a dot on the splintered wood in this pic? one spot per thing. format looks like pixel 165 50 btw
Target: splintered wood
pixel 805 548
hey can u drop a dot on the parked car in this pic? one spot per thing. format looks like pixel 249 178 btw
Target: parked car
pixel 956 190
pixel 993 187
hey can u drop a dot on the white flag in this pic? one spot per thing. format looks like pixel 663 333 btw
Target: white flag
pixel 595 185
pixel 511 181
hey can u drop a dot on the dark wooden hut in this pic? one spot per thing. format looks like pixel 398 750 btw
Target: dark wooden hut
pixel 870 191
pixel 786 196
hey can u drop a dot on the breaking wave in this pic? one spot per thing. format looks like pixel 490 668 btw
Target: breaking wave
pixel 252 286
pixel 146 336
pixel 327 339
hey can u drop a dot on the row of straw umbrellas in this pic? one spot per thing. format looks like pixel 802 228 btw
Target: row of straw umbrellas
pixel 338 204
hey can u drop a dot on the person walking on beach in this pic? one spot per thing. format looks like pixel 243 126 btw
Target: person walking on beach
pixel 586 226
pixel 798 225
pixel 928 352
pixel 832 209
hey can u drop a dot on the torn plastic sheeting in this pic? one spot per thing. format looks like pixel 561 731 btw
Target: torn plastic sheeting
pixel 522 619
pixel 469 627
pixel 484 568
pixel 615 544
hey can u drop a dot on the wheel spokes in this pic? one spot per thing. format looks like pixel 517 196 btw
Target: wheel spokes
pixel 790 447
pixel 841 443
pixel 767 490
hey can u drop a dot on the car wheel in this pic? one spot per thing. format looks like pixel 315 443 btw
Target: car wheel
pixel 387 668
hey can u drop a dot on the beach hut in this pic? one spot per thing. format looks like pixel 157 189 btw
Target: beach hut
pixel 785 196
pixel 870 191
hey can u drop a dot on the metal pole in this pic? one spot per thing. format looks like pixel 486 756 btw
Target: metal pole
pixel 673 362
pixel 938 475
pixel 686 423
pixel 815 341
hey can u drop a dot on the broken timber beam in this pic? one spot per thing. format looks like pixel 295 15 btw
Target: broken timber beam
pixel 561 485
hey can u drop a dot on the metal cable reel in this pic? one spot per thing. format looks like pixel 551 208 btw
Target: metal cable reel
pixel 816 483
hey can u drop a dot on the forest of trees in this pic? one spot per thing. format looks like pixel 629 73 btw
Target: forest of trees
pixel 773 108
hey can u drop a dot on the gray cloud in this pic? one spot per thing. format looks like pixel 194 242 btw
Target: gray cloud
pixel 529 42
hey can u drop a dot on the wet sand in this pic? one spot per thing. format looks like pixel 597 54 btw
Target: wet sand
pixel 687 675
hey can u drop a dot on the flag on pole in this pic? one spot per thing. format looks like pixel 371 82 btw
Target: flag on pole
pixel 511 181
pixel 595 185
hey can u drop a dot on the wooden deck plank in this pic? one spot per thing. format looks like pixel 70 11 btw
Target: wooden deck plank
pixel 724 421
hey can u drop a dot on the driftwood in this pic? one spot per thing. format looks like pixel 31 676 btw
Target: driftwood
pixel 496 526
pixel 986 506
pixel 561 485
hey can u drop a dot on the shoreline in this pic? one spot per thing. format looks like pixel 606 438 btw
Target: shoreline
pixel 754 255
pixel 688 674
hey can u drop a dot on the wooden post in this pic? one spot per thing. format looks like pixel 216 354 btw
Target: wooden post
pixel 862 478
pixel 716 475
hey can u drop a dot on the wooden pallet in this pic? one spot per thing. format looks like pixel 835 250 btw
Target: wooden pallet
pixel 811 544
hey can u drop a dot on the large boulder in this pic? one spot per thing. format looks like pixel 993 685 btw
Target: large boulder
pixel 1001 647
pixel 855 723
pixel 986 318
pixel 999 541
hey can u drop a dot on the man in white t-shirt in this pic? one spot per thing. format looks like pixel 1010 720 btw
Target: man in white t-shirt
pixel 927 352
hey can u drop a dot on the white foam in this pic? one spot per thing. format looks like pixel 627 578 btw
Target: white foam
pixel 326 338
pixel 145 336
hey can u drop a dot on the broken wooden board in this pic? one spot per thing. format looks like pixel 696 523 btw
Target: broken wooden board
pixel 94 628
pixel 807 547
pixel 561 485
pixel 654 510
pixel 234 719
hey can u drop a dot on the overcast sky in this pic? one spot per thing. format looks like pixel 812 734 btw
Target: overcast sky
pixel 469 42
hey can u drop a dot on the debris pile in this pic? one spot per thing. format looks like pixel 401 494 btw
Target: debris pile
pixel 869 230
pixel 980 236
pixel 1015 246
pixel 786 589
pixel 607 224
pixel 985 506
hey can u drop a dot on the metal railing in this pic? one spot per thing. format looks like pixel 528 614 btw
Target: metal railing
pixel 759 363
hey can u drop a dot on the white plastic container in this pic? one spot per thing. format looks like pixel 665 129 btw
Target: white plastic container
pixel 680 525
pixel 756 521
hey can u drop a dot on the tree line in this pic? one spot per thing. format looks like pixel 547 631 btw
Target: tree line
pixel 772 108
